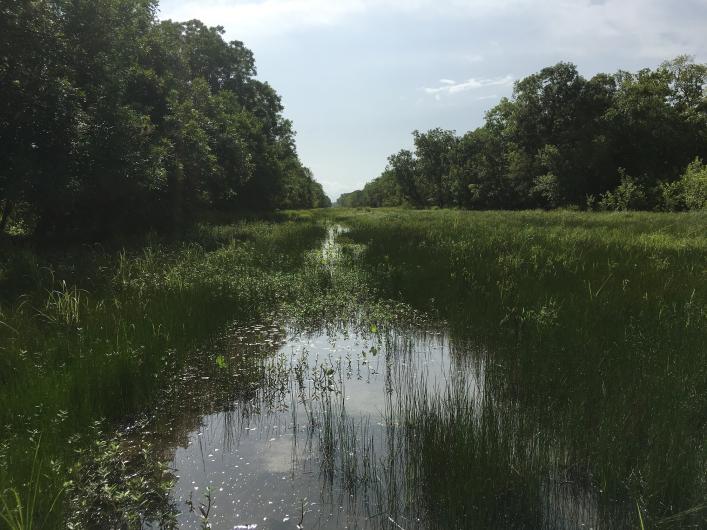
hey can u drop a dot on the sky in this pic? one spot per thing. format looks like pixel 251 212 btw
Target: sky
pixel 356 77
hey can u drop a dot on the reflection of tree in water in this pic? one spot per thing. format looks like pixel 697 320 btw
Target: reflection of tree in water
pixel 205 387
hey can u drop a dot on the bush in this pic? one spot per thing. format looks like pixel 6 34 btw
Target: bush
pixel 694 185
pixel 629 195
pixel 546 190
pixel 672 196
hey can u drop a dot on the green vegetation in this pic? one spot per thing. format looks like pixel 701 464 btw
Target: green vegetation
pixel 577 338
pixel 112 121
pixel 90 334
pixel 615 142
pixel 591 331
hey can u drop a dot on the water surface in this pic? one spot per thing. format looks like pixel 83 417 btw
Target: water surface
pixel 262 459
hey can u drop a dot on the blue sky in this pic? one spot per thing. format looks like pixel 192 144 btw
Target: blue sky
pixel 358 76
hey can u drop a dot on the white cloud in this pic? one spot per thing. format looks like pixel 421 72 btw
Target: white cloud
pixel 253 19
pixel 646 28
pixel 260 18
pixel 450 87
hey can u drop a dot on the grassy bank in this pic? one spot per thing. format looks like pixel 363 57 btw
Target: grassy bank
pixel 592 329
pixel 89 334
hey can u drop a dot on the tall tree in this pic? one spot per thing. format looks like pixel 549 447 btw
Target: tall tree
pixel 111 120
pixel 433 150
pixel 564 140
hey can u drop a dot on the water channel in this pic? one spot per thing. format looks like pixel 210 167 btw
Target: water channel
pixel 301 428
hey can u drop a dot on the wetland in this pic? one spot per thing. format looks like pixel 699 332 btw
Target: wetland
pixel 363 369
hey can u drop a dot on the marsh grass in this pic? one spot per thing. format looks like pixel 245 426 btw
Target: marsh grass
pixel 17 508
pixel 595 325
pixel 90 334
pixel 578 340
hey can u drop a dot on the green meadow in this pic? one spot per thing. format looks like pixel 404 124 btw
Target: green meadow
pixel 584 335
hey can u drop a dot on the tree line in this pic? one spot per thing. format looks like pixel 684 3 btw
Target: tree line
pixel 615 142
pixel 111 120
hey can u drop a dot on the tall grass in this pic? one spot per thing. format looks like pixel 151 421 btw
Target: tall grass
pixel 18 509
pixel 584 334
pixel 595 326
pixel 91 334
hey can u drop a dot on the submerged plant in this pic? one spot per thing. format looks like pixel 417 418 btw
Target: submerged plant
pixel 202 509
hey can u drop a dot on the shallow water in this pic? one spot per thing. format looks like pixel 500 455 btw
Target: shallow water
pixel 276 456
pixel 262 458
pixel 290 429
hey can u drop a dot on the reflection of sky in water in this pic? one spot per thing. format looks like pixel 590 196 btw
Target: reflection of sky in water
pixel 257 449
pixel 264 469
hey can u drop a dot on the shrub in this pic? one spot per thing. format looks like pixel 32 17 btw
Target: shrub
pixel 629 195
pixel 672 196
pixel 694 184
pixel 546 190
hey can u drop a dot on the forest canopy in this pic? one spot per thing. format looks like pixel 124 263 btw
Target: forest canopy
pixel 114 121
pixel 614 142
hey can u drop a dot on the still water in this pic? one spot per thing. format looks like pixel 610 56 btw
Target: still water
pixel 324 428
pixel 262 459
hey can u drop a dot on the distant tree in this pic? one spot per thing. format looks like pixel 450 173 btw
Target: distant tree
pixel 403 167
pixel 433 151
pixel 480 170
pixel 560 141
pixel 353 199
pixel 546 190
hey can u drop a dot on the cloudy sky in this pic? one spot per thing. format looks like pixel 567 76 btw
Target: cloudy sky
pixel 358 76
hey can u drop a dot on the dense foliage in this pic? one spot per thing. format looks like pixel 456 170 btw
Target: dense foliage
pixel 111 120
pixel 616 142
